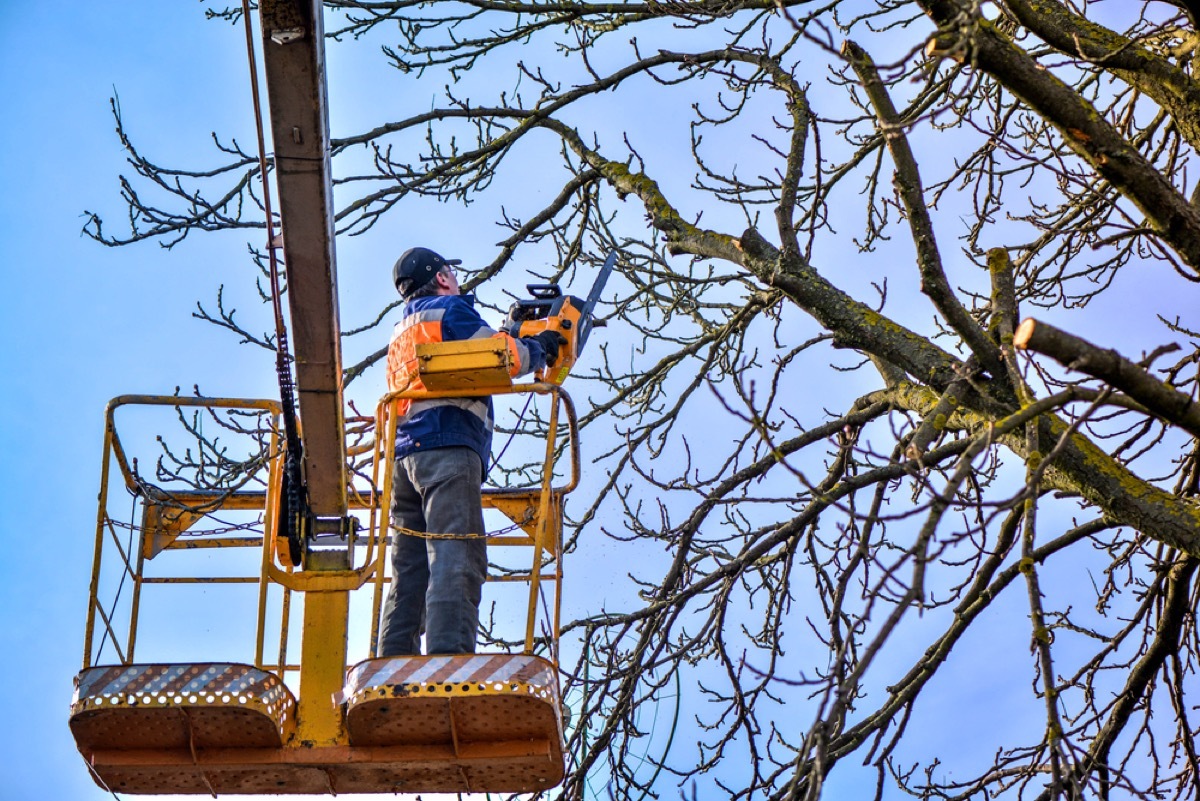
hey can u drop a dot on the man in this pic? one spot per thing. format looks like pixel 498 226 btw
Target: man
pixel 441 458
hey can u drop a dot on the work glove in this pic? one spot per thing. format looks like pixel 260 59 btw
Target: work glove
pixel 550 341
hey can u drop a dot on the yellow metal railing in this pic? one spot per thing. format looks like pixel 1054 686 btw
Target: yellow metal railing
pixel 166 515
pixel 159 527
pixel 538 510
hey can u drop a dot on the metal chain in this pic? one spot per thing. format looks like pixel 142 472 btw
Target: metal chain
pixel 428 535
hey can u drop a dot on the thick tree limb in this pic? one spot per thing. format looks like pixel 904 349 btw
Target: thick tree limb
pixel 1112 368
pixel 1146 71
pixel 852 323
pixel 970 38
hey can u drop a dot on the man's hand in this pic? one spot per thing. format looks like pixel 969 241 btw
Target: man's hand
pixel 550 341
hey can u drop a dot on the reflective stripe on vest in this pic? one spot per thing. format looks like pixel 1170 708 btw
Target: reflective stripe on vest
pixel 420 328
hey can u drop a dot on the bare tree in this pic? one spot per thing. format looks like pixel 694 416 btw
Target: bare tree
pixel 844 499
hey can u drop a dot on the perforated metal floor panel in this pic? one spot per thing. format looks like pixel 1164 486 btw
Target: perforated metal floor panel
pixel 498 714
pixel 414 725
pixel 210 705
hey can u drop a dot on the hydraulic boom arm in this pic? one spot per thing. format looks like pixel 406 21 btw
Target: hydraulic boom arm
pixel 294 58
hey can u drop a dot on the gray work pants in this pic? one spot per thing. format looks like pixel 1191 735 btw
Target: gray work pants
pixel 436 583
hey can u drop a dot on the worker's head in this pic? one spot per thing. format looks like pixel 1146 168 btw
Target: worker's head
pixel 420 272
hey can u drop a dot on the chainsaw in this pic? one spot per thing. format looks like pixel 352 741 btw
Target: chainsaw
pixel 550 310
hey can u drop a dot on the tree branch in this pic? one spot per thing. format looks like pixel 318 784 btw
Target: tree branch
pixel 1112 368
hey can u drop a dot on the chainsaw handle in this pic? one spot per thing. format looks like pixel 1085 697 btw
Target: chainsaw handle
pixel 544 291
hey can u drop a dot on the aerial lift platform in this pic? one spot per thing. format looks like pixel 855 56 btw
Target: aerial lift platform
pixel 275 725
pixel 438 723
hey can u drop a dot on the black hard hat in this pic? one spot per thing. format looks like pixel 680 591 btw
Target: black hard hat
pixel 416 268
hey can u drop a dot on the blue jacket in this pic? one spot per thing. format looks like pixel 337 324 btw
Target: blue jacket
pixel 447 422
